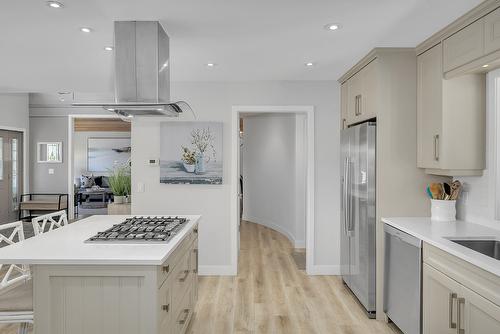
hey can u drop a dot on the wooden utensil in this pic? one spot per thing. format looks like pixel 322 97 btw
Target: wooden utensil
pixel 436 190
pixel 456 186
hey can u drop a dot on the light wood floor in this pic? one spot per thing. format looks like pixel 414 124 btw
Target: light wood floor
pixel 270 295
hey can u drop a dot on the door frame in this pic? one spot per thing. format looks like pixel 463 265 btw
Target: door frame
pixel 24 132
pixel 71 131
pixel 310 167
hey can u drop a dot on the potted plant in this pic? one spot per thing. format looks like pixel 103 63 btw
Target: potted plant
pixel 188 159
pixel 120 183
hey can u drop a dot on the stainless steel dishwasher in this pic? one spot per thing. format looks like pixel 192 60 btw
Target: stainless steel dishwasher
pixel 403 280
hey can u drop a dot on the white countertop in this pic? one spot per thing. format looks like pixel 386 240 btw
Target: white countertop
pixel 438 233
pixel 67 246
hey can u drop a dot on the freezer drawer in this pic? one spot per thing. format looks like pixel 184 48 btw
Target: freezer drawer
pixel 403 280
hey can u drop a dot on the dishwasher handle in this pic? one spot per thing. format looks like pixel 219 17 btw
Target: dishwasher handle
pixel 402 236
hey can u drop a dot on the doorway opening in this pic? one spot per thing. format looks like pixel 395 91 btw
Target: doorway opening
pixel 98 147
pixel 274 176
pixel 11 174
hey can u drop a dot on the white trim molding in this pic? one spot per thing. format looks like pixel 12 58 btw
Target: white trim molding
pixel 310 179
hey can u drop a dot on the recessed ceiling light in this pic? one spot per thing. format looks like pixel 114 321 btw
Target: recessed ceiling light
pixel 85 29
pixel 332 26
pixel 309 64
pixel 211 64
pixel 108 48
pixel 486 65
pixel 54 4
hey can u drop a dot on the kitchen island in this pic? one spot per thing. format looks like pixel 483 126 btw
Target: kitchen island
pixel 110 287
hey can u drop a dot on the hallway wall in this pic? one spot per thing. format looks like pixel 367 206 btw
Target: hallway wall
pixel 273 174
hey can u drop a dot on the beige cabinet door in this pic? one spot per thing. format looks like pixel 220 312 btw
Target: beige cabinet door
pixel 353 97
pixel 429 107
pixel 368 102
pixel 439 299
pixel 343 106
pixel 477 314
pixel 492 31
pixel 464 46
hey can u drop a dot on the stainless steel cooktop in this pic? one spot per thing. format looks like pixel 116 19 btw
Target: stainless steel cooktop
pixel 142 230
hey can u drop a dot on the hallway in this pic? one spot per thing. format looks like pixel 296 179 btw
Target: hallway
pixel 270 295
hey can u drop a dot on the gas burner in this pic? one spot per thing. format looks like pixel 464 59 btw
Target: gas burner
pixel 142 230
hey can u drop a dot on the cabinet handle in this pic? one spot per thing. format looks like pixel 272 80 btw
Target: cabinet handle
pixel 186 274
pixel 195 270
pixel 436 147
pixel 344 121
pixel 166 269
pixel 453 296
pixel 165 308
pixel 195 230
pixel 360 105
pixel 186 316
pixel 460 301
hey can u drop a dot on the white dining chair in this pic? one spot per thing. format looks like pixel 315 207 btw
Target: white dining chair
pixel 16 289
pixel 50 221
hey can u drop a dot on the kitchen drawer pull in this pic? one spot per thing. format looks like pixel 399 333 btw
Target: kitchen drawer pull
pixel 165 308
pixel 186 316
pixel 460 301
pixel 452 324
pixel 166 268
pixel 183 278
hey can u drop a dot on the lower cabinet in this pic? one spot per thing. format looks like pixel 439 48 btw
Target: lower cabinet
pixel 179 292
pixel 452 307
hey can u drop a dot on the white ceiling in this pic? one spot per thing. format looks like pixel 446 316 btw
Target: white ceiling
pixel 42 49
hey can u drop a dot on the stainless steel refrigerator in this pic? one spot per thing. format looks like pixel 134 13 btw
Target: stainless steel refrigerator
pixel 357 241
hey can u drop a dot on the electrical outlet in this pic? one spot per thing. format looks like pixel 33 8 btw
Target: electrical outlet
pixel 140 187
pixel 51 171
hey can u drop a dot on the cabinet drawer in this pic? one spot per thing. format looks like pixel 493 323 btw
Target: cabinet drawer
pixel 181 278
pixel 492 31
pixel 183 311
pixel 165 307
pixel 164 270
pixel 464 46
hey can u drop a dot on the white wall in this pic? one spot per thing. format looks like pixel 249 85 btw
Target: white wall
pixel 270 172
pixel 213 102
pixel 47 129
pixel 478 200
pixel 14 115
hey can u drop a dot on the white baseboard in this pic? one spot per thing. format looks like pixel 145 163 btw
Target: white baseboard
pixel 324 270
pixel 216 271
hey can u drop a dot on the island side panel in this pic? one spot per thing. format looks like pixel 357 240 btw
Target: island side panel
pixel 95 299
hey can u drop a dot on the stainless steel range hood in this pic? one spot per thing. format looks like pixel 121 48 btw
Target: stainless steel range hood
pixel 142 72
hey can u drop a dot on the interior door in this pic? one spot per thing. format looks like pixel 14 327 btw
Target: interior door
pixel 11 172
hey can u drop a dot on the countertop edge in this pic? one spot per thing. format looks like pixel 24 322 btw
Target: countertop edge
pixel 461 255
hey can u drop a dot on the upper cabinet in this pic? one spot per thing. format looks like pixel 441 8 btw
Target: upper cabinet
pixel 361 94
pixel 492 31
pixel 450 119
pixel 464 46
pixel 343 106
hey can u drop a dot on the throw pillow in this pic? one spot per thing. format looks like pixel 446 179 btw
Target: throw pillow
pixel 87 181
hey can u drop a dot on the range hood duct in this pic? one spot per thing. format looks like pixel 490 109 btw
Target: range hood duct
pixel 142 72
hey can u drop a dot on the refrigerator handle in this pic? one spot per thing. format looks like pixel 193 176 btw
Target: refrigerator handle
pixel 348 196
pixel 344 194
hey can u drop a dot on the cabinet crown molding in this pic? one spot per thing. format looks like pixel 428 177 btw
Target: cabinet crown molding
pixel 468 18
pixel 373 54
